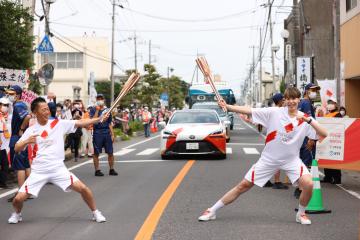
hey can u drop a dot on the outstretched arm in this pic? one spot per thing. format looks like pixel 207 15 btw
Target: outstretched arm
pixel 320 130
pixel 87 122
pixel 232 108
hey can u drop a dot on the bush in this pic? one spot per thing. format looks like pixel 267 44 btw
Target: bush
pixel 136 126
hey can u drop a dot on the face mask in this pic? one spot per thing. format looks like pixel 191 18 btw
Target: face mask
pixel 12 98
pixel 342 113
pixel 100 103
pixel 330 107
pixel 77 106
pixel 4 109
pixel 312 95
pixel 58 109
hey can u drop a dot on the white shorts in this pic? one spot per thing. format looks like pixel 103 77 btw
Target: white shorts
pixel 262 171
pixel 61 177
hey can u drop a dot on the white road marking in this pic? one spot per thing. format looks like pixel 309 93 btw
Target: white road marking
pixel 247 124
pixel 5 194
pixel 148 151
pixel 146 140
pixel 251 151
pixel 355 194
pixel 137 161
pixel 239 128
pixel 124 151
pixel 247 144
pixel 228 150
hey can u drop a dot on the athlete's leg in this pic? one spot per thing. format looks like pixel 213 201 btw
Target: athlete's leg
pixel 19 200
pixel 85 192
pixel 235 192
pixel 306 184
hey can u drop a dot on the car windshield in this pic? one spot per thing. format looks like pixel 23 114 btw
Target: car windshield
pixel 194 117
pixel 213 107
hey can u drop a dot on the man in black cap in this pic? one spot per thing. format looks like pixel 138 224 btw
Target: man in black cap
pixel 103 137
pixel 19 123
pixel 306 105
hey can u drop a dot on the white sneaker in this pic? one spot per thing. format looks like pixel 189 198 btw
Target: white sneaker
pixel 15 218
pixel 207 215
pixel 303 219
pixel 98 217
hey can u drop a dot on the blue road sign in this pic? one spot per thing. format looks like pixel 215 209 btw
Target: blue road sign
pixel 45 46
pixel 164 97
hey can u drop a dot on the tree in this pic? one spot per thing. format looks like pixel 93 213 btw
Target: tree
pixel 282 86
pixel 16 44
pixel 177 90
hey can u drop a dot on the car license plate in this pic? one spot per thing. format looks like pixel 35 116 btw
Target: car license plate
pixel 192 146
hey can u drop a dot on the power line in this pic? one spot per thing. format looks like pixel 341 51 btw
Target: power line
pixel 163 30
pixel 87 54
pixel 193 20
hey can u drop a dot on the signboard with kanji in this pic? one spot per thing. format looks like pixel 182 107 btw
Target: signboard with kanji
pixel 303 72
pixel 9 77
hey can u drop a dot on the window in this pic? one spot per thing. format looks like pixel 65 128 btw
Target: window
pixel 64 60
pixel 350 4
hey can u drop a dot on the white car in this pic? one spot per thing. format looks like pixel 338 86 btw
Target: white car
pixel 194 132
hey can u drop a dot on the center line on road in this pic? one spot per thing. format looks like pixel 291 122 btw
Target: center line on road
pixel 148 151
pixel 151 222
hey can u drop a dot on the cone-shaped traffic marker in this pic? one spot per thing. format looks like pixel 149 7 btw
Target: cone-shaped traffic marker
pixel 315 205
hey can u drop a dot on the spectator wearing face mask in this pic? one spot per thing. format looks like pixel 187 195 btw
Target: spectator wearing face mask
pixel 343 112
pixel 59 111
pixel 4 141
pixel 332 175
pixel 67 109
pixel 306 105
pixel 19 123
pixel 103 137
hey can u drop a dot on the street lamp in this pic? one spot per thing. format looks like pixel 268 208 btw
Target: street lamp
pixel 169 69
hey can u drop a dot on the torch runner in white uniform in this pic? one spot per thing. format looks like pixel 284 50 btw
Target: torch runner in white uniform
pixel 286 129
pixel 47 138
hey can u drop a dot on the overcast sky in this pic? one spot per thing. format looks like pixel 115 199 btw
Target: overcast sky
pixel 228 29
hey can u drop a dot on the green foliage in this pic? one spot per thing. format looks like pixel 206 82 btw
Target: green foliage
pixel 148 90
pixel 34 84
pixel 16 44
pixel 136 126
pixel 282 86
pixel 176 89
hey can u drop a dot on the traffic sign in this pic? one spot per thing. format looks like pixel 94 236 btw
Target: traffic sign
pixel 45 46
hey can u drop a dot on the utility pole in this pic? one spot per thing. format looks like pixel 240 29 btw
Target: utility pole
pixel 112 92
pixel 149 52
pixel 272 52
pixel 336 23
pixel 135 54
pixel 260 72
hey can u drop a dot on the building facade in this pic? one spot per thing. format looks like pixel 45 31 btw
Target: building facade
pixel 74 59
pixel 350 54
pixel 311 34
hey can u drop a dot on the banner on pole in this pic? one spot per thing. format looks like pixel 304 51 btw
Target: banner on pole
pixel 303 72
pixel 28 96
pixel 9 77
pixel 340 150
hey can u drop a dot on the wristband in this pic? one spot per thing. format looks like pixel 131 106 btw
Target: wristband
pixel 309 121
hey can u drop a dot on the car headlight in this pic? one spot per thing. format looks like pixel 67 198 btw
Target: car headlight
pixel 167 134
pixel 217 132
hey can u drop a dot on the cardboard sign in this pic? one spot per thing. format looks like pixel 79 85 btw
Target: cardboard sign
pixel 28 96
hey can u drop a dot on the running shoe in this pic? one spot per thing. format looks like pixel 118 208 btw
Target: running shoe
pixel 98 217
pixel 98 173
pixel 207 216
pixel 303 219
pixel 15 218
pixel 112 172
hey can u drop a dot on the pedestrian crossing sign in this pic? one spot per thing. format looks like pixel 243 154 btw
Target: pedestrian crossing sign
pixel 45 46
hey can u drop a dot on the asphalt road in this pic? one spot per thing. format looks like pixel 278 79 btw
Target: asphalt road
pixel 154 199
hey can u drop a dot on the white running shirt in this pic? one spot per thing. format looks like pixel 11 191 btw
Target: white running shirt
pixel 284 135
pixel 49 152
